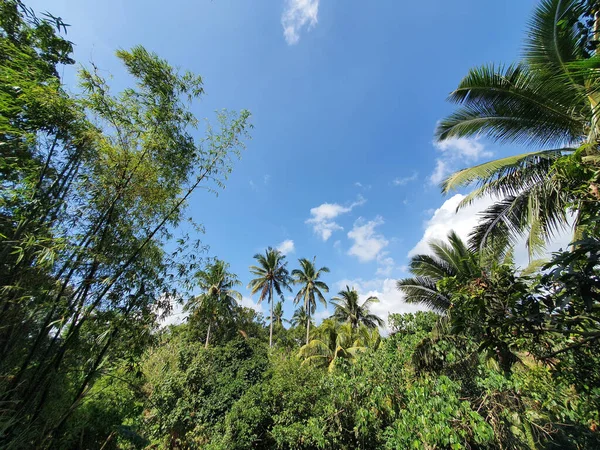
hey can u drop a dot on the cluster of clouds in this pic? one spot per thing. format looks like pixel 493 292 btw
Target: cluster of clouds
pixel 366 242
pixel 323 217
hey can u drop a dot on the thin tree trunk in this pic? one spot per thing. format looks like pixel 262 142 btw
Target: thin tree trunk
pixel 271 327
pixel 307 327
pixel 207 335
pixel 307 310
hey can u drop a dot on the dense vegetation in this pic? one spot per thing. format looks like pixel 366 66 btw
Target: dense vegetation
pixel 94 186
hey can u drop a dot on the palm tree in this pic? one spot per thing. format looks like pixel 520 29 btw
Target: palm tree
pixel 300 318
pixel 348 309
pixel 452 259
pixel 333 340
pixel 218 299
pixel 549 102
pixel 278 314
pixel 271 275
pixel 312 288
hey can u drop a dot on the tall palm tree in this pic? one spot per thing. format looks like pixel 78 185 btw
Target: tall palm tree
pixel 312 288
pixel 348 309
pixel 452 259
pixel 548 102
pixel 333 340
pixel 218 298
pixel 271 276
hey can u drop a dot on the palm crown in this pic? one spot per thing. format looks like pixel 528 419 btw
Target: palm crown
pixel 271 276
pixel 300 318
pixel 451 259
pixel 348 309
pixel 548 102
pixel 218 298
pixel 312 288
pixel 278 314
pixel 333 341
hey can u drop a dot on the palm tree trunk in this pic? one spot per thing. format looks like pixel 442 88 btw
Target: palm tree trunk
pixel 307 328
pixel 307 309
pixel 271 327
pixel 207 335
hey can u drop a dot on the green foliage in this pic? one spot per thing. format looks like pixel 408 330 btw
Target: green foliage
pixel 429 407
pixel 217 302
pixel 276 413
pixel 421 322
pixel 111 413
pixel 333 342
pixel 190 396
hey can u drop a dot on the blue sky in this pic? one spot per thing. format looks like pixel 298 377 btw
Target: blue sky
pixel 345 96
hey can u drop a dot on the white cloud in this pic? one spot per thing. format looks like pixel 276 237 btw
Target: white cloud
pixel 266 179
pixel 467 149
pixel 402 181
pixel 286 247
pixel 446 218
pixel 298 14
pixel 323 216
pixel 247 302
pixel 391 300
pixel 367 242
pixel 319 316
pixel 454 153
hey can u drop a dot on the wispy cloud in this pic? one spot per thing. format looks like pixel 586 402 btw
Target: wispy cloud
pixel 453 153
pixel 257 186
pixel 386 265
pixel 367 243
pixel 401 181
pixel 298 14
pixel 441 171
pixel 323 216
pixel 286 247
